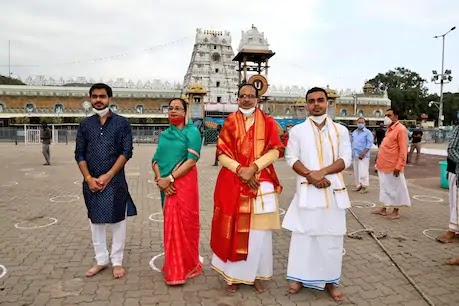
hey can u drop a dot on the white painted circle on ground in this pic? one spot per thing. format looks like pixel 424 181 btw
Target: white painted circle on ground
pixel 153 218
pixel 26 169
pixel 425 232
pixel 363 204
pixel 36 174
pixel 4 271
pixel 154 196
pixel 426 198
pixel 64 199
pixel 281 211
pixel 155 268
pixel 10 184
pixel 54 221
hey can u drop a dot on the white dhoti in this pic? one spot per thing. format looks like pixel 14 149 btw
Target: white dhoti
pixel 393 191
pixel 259 263
pixel 361 171
pixel 315 260
pixel 316 246
pixel 453 204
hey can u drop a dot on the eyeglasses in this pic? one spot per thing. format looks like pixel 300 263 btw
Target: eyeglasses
pixel 247 96
pixel 177 108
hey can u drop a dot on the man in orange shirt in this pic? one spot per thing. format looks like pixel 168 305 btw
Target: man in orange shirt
pixel 391 161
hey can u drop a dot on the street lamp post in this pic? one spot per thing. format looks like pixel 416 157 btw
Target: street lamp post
pixel 444 76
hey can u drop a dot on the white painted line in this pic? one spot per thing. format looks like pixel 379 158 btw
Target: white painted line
pixel 4 271
pixel 10 184
pixel 433 230
pixel 155 268
pixel 344 251
pixel 26 169
pixel 78 182
pixel 281 211
pixel 36 173
pixel 363 204
pixel 426 198
pixel 54 221
pixel 152 263
pixel 151 217
pixel 152 181
pixel 133 174
pixel 64 199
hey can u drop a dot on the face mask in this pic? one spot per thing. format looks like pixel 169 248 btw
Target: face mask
pixel 318 119
pixel 101 112
pixel 360 125
pixel 247 112
pixel 387 121
pixel 176 120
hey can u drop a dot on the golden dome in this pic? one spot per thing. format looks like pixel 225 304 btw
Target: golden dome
pixel 300 102
pixel 331 93
pixel 196 88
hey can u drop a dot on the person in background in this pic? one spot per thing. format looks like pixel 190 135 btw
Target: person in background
pixel 393 191
pixel 361 141
pixel 219 128
pixel 416 138
pixel 46 136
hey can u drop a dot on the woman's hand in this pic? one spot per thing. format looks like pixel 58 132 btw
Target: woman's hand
pixel 163 182
pixel 169 191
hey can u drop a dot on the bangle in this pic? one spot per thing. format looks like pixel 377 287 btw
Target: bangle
pixel 256 166
pixel 238 168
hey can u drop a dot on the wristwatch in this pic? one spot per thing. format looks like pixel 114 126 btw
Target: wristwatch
pixel 171 177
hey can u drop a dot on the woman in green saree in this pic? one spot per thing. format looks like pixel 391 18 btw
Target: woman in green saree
pixel 174 165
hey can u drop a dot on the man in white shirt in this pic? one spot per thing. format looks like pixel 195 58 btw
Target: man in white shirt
pixel 318 151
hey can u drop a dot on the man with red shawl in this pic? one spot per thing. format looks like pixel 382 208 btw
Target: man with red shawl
pixel 246 208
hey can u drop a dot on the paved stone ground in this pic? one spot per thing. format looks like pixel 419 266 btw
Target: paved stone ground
pixel 46 265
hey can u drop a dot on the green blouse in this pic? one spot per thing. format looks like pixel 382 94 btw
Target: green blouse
pixel 176 146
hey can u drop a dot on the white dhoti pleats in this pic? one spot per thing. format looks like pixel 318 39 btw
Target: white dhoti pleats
pixel 393 191
pixel 259 263
pixel 361 171
pixel 453 204
pixel 315 260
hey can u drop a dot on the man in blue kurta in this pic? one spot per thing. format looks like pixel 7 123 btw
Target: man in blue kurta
pixel 103 147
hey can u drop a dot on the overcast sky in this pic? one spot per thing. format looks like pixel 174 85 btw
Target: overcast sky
pixel 340 43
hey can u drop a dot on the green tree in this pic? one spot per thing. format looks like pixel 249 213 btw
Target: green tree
pixel 4 80
pixel 405 88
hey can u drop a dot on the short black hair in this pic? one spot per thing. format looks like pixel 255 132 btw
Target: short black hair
pixel 184 104
pixel 107 88
pixel 316 89
pixel 395 111
pixel 361 118
pixel 247 84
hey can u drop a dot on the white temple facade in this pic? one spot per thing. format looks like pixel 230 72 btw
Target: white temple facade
pixel 212 65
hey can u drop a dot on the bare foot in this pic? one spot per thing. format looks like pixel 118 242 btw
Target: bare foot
pixel 453 261
pixel 294 287
pixel 381 212
pixel 118 271
pixel 233 288
pixel 394 215
pixel 259 288
pixel 335 293
pixel 94 270
pixel 446 237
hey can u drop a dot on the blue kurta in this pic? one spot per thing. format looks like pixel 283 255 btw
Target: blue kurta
pixel 100 146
